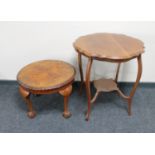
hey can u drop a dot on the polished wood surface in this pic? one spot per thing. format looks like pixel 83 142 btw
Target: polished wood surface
pixel 46 74
pixel 109 46
pixel 46 77
pixel 115 48
pixel 104 85
pixel 88 92
pixel 66 93
pixel 81 72
pixel 26 96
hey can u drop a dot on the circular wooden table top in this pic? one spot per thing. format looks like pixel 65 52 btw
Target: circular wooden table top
pixel 109 46
pixel 46 75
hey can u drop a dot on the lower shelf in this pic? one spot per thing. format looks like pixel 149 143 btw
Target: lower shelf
pixel 105 85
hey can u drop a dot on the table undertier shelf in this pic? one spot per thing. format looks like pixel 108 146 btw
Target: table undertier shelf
pixel 105 85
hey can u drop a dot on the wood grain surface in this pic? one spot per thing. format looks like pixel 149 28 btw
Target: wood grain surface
pixel 109 46
pixel 45 75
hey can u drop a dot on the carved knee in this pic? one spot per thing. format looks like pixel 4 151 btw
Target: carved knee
pixel 67 91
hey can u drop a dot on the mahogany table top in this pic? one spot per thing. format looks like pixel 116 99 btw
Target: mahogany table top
pixel 46 75
pixel 109 46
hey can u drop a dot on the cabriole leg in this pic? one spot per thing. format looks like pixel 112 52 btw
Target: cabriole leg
pixel 26 95
pixel 89 64
pixel 81 72
pixel 117 72
pixel 139 61
pixel 66 93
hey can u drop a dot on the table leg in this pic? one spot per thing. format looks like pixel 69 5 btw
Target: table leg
pixel 81 72
pixel 26 95
pixel 139 60
pixel 89 64
pixel 66 93
pixel 117 72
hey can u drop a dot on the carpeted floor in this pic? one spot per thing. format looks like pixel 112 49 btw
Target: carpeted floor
pixel 108 115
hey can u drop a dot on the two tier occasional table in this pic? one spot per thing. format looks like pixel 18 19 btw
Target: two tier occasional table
pixel 46 77
pixel 115 48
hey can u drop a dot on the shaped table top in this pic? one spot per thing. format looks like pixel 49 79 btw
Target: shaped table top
pixel 109 46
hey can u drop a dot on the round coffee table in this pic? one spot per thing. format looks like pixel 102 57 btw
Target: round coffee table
pixel 46 77
pixel 116 48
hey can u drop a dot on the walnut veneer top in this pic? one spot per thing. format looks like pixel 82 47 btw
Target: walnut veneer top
pixel 46 74
pixel 109 46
